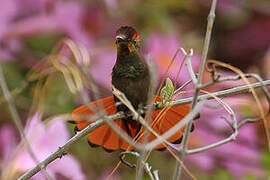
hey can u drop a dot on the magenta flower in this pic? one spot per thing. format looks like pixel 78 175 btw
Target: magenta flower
pixel 44 140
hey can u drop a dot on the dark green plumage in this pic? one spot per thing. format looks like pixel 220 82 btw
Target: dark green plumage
pixel 130 66
pixel 130 73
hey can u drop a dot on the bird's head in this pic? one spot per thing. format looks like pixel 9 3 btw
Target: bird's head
pixel 127 40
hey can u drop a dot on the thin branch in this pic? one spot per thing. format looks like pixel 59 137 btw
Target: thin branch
pixel 123 154
pixel 197 150
pixel 182 87
pixel 155 172
pixel 15 92
pixel 189 65
pixel 218 79
pixel 211 17
pixel 146 166
pixel 233 125
pixel 141 162
pixel 223 93
pixel 210 23
pixel 248 120
pixel 264 88
pixel 17 121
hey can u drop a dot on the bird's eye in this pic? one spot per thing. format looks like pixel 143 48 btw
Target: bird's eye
pixel 135 41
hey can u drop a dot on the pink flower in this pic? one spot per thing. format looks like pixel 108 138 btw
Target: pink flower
pixel 163 48
pixel 101 67
pixel 44 16
pixel 7 143
pixel 8 10
pixel 44 139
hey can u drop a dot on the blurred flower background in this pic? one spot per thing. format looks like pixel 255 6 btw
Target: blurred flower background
pixel 30 29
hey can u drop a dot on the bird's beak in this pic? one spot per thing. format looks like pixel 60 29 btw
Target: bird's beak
pixel 121 41
pixel 120 38
pixel 131 47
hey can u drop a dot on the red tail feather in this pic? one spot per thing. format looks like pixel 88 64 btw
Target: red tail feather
pixel 162 121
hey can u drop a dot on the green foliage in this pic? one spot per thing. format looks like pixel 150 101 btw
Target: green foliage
pixel 58 97
pixel 266 163
pixel 222 175
pixel 174 6
pixel 249 177
pixel 42 44
pixel 13 75
pixel 246 111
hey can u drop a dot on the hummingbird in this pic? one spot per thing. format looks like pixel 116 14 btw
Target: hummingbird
pixel 131 76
